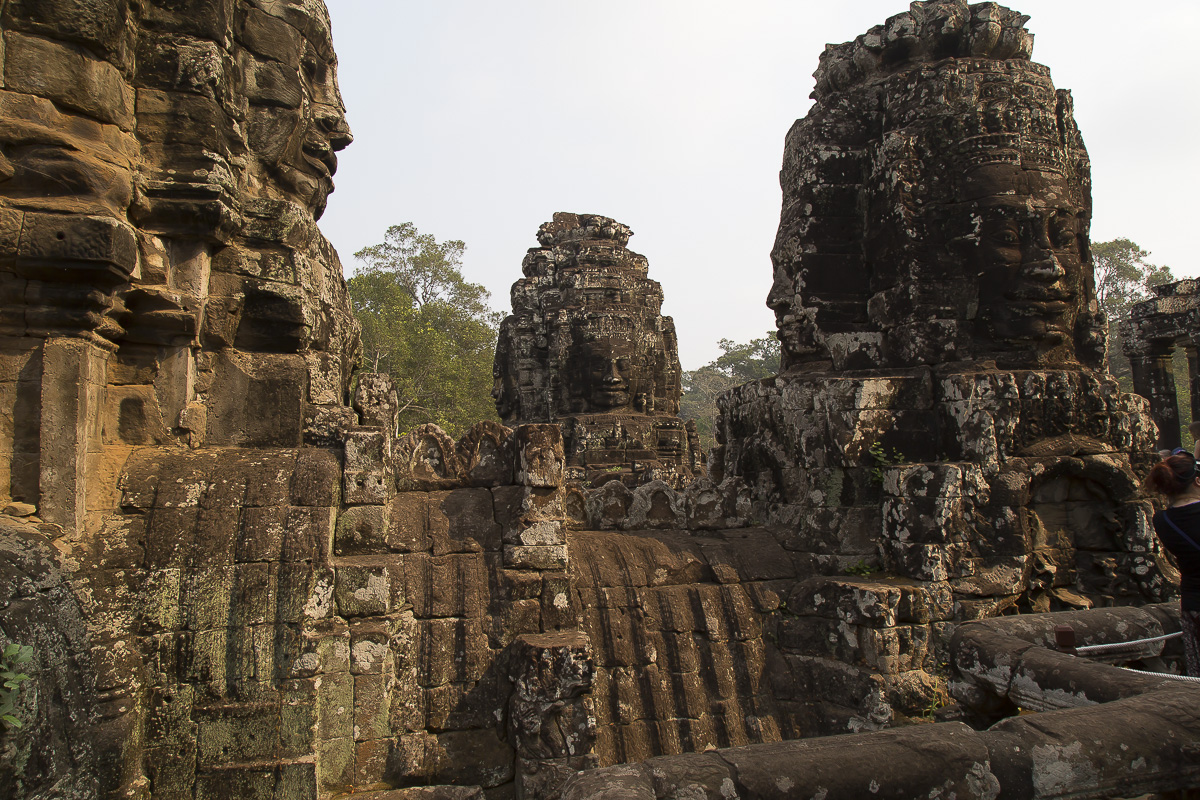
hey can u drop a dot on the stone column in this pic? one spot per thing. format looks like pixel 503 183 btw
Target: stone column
pixel 550 722
pixel 1193 359
pixel 1160 390
pixel 74 376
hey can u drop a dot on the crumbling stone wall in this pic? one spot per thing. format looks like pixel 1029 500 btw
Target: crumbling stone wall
pixel 55 752
pixel 1149 338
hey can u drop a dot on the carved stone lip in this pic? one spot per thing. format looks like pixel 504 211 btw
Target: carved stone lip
pixel 320 156
pixel 1049 307
pixel 1041 295
pixel 613 397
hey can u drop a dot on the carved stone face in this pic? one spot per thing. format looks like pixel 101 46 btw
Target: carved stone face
pixel 1028 253
pixel 298 122
pixel 781 300
pixel 504 393
pixel 608 369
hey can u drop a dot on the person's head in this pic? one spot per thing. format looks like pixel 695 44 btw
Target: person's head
pixel 1174 475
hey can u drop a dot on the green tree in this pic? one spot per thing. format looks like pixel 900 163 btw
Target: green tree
pixel 427 327
pixel 1124 278
pixel 737 364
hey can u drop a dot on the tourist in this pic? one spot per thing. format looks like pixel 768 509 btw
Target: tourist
pixel 1178 528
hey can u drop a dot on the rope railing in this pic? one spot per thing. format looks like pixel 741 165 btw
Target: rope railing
pixel 1064 639
pixel 1104 648
pixel 1171 675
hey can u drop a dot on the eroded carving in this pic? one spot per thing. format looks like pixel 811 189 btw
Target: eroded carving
pixel 976 191
pixel 587 346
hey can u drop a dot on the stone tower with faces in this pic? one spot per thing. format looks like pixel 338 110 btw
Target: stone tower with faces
pixel 587 346
pixel 942 386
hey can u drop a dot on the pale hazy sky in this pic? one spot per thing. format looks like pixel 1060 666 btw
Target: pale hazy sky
pixel 478 119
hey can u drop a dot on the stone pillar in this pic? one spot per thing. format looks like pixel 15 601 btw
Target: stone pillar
pixel 1193 359
pixel 551 723
pixel 74 375
pixel 1160 390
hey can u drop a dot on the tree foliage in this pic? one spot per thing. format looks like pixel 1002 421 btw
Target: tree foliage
pixel 1123 279
pixel 427 327
pixel 737 364
pixel 12 658
pixel 1124 276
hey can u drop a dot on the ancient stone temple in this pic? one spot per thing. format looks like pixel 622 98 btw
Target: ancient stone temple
pixel 1156 329
pixel 239 581
pixel 587 347
pixel 942 378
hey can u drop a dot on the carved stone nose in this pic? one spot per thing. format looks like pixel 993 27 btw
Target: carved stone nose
pixel 333 124
pixel 1047 269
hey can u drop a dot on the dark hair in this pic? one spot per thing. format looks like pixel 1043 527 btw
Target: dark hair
pixel 1172 475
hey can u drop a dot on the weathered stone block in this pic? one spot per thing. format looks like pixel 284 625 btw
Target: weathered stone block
pixel 305 592
pixel 370 649
pixel 461 521
pixel 361 530
pixel 545 532
pixel 558 611
pixel 308 533
pixel 172 769
pixel 260 534
pixel 540 460
pixel 335 763
pixel 548 557
pixel 206 598
pixel 408 525
pixel 296 781
pixel 363 590
pixel 454 651
pixel 316 479
pixel 335 706
pixel 473 757
pixel 465 706
pixel 160 600
pixel 458 586
pixel 370 706
pixel 236 733
pixel 298 717
pixel 69 77
pixel 221 783
pixel 367 476
pixel 169 716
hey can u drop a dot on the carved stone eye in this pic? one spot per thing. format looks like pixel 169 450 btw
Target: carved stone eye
pixel 1006 236
pixel 1062 232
